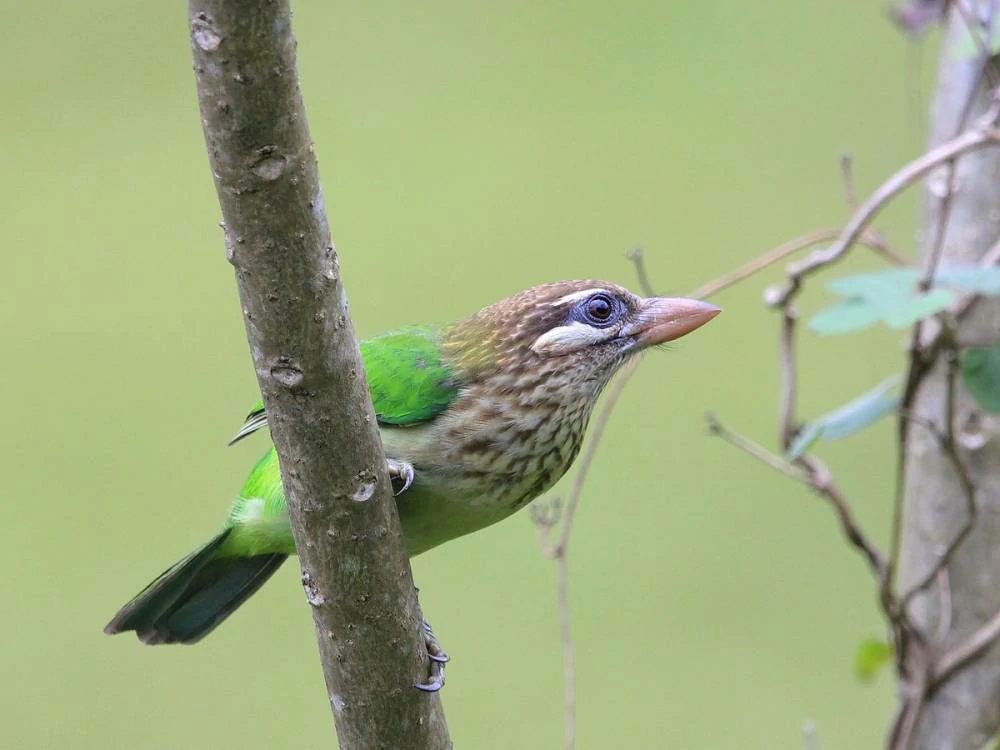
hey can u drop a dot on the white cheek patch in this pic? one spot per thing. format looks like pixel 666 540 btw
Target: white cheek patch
pixel 577 296
pixel 571 338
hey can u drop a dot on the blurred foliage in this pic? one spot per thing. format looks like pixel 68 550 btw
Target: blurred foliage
pixel 468 150
pixel 981 375
pixel 873 655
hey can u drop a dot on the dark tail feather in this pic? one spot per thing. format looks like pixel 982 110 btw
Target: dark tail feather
pixel 187 601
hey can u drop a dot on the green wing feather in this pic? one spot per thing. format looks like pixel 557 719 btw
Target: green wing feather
pixel 408 379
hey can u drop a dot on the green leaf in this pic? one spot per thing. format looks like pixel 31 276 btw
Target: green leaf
pixel 894 297
pixel 872 656
pixel 896 281
pixel 981 375
pixel 896 311
pixel 845 317
pixel 905 312
pixel 978 280
pixel 850 418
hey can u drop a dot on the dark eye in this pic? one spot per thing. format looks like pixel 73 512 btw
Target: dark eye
pixel 599 309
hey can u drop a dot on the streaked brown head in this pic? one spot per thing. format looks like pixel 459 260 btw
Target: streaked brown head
pixel 585 328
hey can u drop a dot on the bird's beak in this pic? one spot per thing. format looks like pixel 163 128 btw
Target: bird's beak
pixel 663 319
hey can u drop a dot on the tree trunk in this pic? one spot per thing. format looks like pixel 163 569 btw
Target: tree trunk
pixel 964 713
pixel 354 564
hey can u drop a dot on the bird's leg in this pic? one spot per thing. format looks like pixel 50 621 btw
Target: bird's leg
pixel 400 472
pixel 438 658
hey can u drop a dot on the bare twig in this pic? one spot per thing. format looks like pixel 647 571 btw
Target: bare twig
pixel 821 480
pixel 951 661
pixel 547 518
pixel 950 448
pixel 951 164
pixel 815 474
pixel 981 31
pixel 569 658
pixel 944 594
pixel 769 258
pixel 638 257
pixel 969 141
pixel 922 358
pixel 789 381
pixel 877 241
pixel 847 178
pixel 913 706
pixel 755 450
pixel 586 460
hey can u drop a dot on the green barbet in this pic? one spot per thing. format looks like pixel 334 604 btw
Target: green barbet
pixel 478 418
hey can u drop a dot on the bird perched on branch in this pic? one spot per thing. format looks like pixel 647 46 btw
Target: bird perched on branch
pixel 478 418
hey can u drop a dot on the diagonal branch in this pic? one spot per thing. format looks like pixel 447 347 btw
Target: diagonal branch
pixel 343 517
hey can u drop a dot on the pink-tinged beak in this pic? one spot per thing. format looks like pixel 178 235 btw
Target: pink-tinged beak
pixel 663 319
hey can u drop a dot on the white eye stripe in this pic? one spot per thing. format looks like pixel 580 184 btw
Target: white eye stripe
pixel 576 296
pixel 569 338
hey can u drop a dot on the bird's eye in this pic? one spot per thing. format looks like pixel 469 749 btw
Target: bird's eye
pixel 599 309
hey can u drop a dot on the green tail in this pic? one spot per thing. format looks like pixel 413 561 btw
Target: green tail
pixel 188 600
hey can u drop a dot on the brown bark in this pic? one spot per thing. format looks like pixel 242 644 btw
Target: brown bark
pixel 354 565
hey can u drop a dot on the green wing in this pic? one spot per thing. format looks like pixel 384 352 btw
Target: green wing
pixel 407 377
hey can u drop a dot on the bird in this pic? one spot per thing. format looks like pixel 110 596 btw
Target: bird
pixel 477 418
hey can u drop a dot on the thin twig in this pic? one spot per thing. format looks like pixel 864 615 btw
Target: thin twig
pixel 771 257
pixel 847 179
pixel 981 639
pixel 569 659
pixel 951 164
pixel 859 222
pixel 587 459
pixel 950 447
pixel 944 606
pixel 821 480
pixel 814 473
pixel 981 31
pixel 916 699
pixel 877 242
pixel 638 257
pixel 755 450
pixel 974 27
pixel 927 424
pixel 789 381
pixel 547 518
pixel 922 358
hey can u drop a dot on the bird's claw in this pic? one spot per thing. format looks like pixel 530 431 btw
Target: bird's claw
pixel 438 658
pixel 400 471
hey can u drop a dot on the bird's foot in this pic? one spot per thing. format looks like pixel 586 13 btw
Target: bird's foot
pixel 400 473
pixel 438 658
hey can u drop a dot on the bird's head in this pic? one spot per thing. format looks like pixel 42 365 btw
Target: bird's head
pixel 578 331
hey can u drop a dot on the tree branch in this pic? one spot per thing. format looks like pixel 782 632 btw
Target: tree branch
pixel 969 141
pixel 943 481
pixel 354 565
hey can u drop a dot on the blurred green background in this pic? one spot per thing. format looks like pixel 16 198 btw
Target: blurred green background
pixel 468 150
